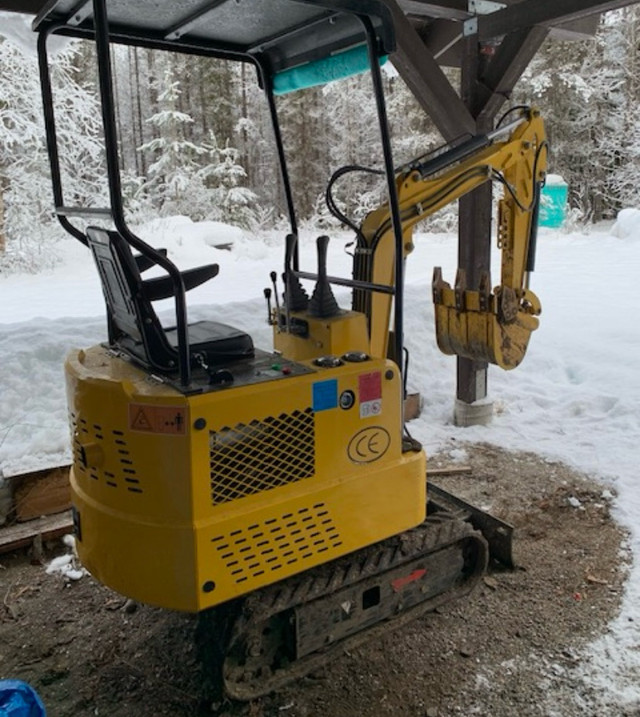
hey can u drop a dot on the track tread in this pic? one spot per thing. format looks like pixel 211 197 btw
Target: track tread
pixel 256 677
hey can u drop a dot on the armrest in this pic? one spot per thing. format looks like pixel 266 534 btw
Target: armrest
pixel 144 262
pixel 162 287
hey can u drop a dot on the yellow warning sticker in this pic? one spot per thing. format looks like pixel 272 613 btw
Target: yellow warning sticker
pixel 170 420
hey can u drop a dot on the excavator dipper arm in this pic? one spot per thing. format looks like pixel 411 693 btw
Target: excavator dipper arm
pixel 478 323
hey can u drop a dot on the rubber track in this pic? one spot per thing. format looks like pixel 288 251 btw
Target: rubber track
pixel 437 532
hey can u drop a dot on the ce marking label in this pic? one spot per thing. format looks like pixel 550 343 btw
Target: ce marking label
pixel 369 444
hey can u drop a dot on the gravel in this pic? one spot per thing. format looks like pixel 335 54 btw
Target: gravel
pixel 512 648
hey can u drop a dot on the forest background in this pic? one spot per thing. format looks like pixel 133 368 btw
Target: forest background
pixel 196 137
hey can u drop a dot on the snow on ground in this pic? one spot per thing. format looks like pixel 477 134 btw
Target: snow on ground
pixel 575 398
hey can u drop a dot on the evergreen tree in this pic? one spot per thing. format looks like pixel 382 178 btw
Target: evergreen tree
pixel 224 176
pixel 172 159
pixel 27 227
pixel 201 180
pixel 589 92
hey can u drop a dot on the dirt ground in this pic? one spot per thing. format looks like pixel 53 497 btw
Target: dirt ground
pixel 507 650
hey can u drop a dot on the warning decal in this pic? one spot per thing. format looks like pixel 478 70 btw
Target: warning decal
pixel 146 418
pixel 370 394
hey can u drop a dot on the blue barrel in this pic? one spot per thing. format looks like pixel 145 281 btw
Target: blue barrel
pixel 18 699
pixel 553 202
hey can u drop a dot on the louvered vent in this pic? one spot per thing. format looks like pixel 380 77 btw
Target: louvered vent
pixel 124 473
pixel 261 455
pixel 267 547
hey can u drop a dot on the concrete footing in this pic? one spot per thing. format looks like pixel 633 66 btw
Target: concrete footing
pixel 479 413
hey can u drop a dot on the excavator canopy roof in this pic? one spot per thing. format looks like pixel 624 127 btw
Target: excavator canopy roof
pixel 279 33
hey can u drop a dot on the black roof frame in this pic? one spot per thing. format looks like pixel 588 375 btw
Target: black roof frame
pixel 376 31
pixel 331 28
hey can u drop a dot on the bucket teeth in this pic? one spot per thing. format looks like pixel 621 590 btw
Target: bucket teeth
pixel 482 325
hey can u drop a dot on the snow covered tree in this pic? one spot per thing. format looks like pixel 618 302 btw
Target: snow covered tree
pixel 618 142
pixel 225 177
pixel 589 93
pixel 172 158
pixel 202 180
pixel 27 226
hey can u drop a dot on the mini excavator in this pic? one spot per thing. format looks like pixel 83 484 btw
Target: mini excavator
pixel 278 492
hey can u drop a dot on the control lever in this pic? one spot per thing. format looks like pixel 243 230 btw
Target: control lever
pixel 323 303
pixel 274 278
pixel 295 297
pixel 287 308
pixel 267 296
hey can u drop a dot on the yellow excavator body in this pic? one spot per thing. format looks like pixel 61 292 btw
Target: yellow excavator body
pixel 279 493
pixel 186 501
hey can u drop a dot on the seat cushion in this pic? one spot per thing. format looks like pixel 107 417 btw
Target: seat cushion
pixel 219 342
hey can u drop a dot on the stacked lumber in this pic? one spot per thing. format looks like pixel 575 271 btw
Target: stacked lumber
pixel 40 506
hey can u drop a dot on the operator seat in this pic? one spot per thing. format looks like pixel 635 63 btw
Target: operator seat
pixel 133 324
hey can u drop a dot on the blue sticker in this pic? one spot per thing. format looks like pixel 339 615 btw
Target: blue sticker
pixel 325 395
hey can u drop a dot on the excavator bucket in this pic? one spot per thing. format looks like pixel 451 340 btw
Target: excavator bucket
pixel 483 325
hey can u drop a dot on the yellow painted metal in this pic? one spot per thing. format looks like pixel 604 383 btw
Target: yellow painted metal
pixel 479 334
pixel 331 336
pixel 497 332
pixel 188 501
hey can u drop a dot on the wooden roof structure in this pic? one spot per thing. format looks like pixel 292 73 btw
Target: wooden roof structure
pixel 499 37
pixel 492 42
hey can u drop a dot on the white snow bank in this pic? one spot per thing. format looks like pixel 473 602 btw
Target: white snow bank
pixel 180 233
pixel 33 413
pixel 627 225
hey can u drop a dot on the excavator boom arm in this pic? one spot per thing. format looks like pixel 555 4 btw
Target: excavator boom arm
pixel 469 322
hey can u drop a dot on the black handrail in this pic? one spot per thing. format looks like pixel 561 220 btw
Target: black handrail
pixel 50 132
pixel 101 25
pixel 394 204
pixel 267 84
pixel 104 36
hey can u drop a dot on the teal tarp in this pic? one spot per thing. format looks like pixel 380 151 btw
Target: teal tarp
pixel 336 67
pixel 553 205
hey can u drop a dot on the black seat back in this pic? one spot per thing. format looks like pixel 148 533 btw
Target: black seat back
pixel 134 326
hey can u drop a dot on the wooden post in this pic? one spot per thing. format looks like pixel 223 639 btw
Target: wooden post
pixel 474 244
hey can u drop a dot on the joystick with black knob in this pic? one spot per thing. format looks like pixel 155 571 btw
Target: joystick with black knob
pixel 323 304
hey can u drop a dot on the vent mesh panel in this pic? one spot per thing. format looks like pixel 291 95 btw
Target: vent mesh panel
pixel 261 455
pixel 279 542
pixel 124 474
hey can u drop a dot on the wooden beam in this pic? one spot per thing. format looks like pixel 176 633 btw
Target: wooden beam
pixel 23 534
pixel 42 492
pixel 450 9
pixel 542 12
pixel 583 29
pixel 29 7
pixel 443 39
pixel 426 80
pixel 449 471
pixel 505 69
pixel 474 222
